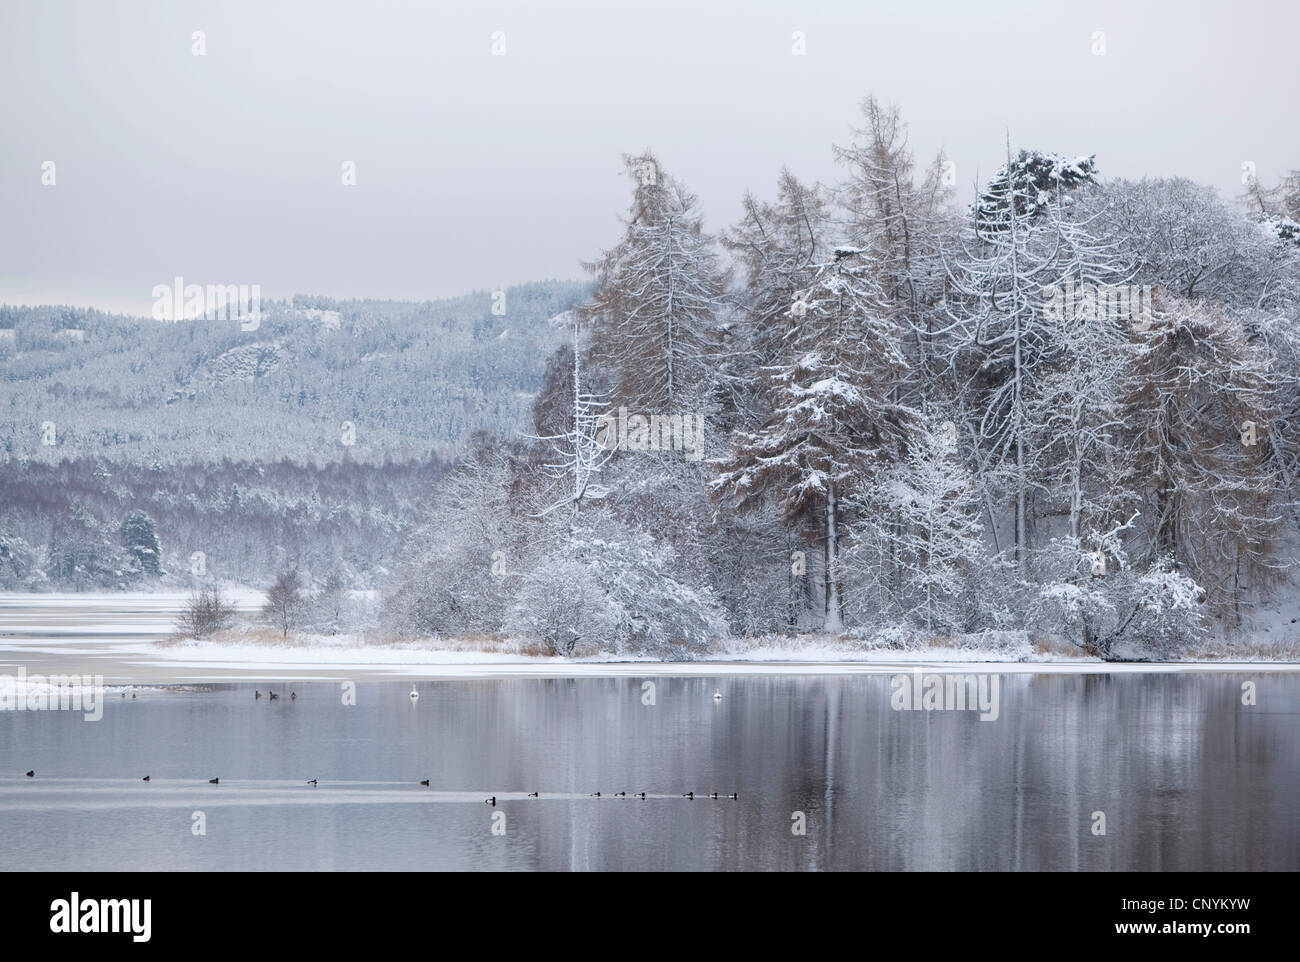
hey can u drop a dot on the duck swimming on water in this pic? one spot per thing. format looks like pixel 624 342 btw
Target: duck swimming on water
pixel 415 695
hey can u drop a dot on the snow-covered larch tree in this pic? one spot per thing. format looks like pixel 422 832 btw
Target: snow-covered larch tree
pixel 1090 321
pixel 1020 253
pixel 901 222
pixel 654 309
pixel 887 212
pixel 775 244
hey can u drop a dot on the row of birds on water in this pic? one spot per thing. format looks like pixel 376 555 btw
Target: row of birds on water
pixel 415 695
pixel 293 695
pixel 211 781
pixel 713 795
pixel 493 800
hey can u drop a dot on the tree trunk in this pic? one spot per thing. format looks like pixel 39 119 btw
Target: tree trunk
pixel 834 620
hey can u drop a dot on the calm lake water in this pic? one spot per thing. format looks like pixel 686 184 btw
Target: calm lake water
pixel 1188 777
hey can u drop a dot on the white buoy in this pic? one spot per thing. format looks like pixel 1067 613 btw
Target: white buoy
pixel 415 695
pixel 717 695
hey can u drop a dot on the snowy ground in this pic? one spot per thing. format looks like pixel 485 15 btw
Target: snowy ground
pixel 123 638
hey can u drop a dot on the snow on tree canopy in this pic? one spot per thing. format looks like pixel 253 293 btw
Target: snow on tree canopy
pixel 1283 228
pixel 1034 178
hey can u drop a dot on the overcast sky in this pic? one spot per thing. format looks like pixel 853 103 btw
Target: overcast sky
pixel 475 171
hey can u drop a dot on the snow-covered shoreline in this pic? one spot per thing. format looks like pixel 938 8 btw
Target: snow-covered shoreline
pixel 127 639
pixel 342 657
pixel 181 664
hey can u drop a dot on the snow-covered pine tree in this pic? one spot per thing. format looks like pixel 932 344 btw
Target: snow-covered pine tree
pixel 653 312
pixel 17 562
pixel 1283 228
pixel 140 539
pixel 1031 184
pixel 833 419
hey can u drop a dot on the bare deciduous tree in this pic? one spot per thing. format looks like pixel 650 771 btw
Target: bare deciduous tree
pixel 205 612
pixel 284 602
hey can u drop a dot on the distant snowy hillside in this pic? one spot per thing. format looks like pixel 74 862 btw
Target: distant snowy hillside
pixel 316 381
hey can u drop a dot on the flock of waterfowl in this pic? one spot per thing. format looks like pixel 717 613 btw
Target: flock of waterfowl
pixel 493 800
pixel 415 696
pixel 689 795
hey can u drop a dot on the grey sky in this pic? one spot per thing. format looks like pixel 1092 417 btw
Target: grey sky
pixel 475 171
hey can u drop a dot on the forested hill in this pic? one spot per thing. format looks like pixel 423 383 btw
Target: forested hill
pixel 317 381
